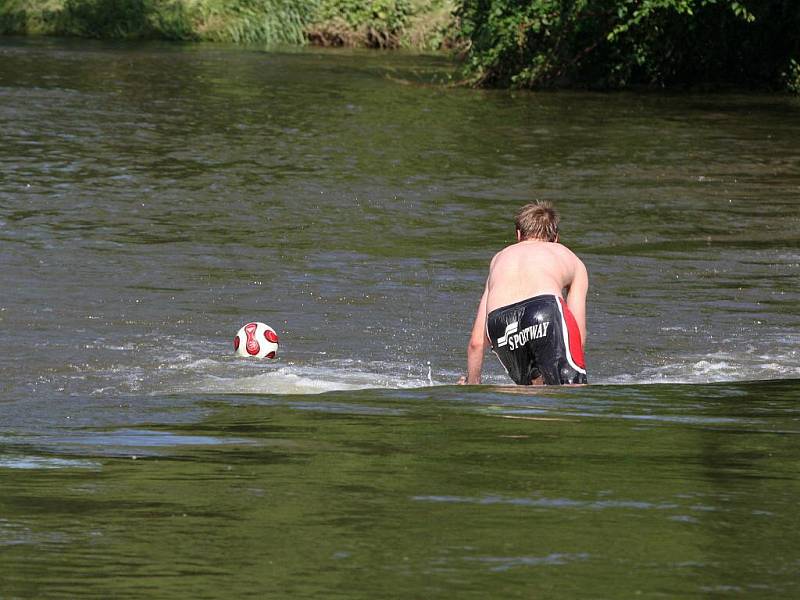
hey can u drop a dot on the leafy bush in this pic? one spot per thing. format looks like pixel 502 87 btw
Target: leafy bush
pixel 792 77
pixel 166 19
pixel 13 18
pixel 432 26
pixel 374 23
pixel 614 43
pixel 108 18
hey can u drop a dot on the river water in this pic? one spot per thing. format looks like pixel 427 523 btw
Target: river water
pixel 155 197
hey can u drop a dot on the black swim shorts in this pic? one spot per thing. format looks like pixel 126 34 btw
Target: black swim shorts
pixel 538 336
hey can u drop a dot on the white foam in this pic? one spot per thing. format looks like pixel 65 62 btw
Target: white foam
pixel 276 382
pixel 745 365
pixel 294 379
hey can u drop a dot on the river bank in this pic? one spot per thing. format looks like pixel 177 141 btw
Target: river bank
pixel 591 44
pixel 413 24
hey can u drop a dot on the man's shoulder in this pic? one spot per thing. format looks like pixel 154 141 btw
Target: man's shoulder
pixel 507 250
pixel 576 264
pixel 566 251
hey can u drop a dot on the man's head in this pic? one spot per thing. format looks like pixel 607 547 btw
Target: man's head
pixel 537 221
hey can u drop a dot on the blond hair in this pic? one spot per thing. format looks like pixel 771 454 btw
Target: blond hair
pixel 537 221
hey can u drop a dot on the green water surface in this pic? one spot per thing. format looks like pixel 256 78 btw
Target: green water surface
pixel 155 197
pixel 600 492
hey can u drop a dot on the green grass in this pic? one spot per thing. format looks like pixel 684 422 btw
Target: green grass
pixel 377 23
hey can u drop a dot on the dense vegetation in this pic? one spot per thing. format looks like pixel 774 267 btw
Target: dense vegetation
pixel 616 43
pixel 503 43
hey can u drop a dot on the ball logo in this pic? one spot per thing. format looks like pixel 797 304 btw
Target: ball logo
pixel 256 340
pixel 251 345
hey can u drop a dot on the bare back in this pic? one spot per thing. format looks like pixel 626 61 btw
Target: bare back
pixel 530 268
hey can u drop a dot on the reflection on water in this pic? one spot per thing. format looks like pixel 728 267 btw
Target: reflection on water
pixel 42 462
pixel 428 491
pixel 154 197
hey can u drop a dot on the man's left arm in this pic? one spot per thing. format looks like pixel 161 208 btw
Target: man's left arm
pixel 576 297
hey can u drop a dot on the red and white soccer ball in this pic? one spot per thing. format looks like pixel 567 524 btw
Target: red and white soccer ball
pixel 256 340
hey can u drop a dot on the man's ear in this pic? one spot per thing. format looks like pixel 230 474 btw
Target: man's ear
pixel 519 235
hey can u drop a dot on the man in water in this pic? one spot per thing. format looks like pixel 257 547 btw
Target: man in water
pixel 523 316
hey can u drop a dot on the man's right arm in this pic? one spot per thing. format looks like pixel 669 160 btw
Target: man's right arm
pixel 478 342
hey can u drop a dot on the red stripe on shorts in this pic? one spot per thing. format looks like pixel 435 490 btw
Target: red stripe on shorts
pixel 573 335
